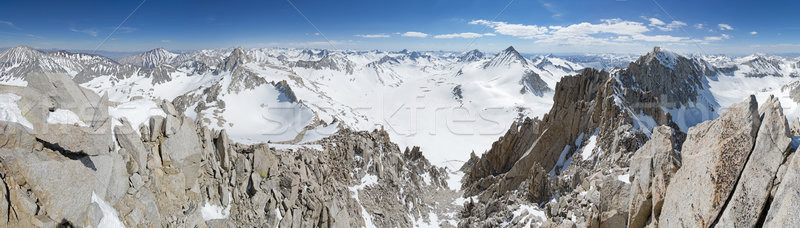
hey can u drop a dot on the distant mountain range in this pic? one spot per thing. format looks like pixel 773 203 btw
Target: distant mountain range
pixel 331 84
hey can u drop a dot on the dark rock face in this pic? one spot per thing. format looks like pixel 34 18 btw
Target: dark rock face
pixel 532 83
pixel 471 56
pixel 675 80
pixel 326 62
pixel 502 156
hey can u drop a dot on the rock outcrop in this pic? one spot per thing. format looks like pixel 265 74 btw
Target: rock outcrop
pixel 606 168
pixel 714 154
pixel 755 183
pixel 651 170
pixel 172 171
pixel 784 207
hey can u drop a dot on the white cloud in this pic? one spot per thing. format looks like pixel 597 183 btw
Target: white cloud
pixel 460 35
pixel 723 27
pixel 7 23
pixel 661 25
pixel 552 9
pixel 91 32
pixel 608 32
pixel 717 38
pixel 517 30
pixel 166 41
pixel 372 35
pixel 699 26
pixel 415 34
pixel 753 33
pixel 656 22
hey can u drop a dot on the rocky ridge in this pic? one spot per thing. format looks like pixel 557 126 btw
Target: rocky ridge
pixel 172 171
pixel 594 160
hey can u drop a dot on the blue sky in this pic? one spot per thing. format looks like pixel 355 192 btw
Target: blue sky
pixel 537 26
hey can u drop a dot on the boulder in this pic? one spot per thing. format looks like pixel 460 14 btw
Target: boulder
pixel 652 168
pixel 72 139
pixel 752 191
pixel 223 148
pixel 111 177
pixel 264 162
pixel 91 108
pixel 182 144
pixel 16 136
pixel 62 186
pixel 713 156
pixel 131 142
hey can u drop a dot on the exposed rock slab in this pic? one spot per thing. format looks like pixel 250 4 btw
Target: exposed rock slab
pixel 652 168
pixel 713 155
pixel 753 189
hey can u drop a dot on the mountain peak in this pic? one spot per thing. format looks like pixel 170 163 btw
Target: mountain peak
pixel 19 54
pixel 236 58
pixel 470 56
pixel 23 49
pixel 510 49
pixel 506 57
pixel 662 56
pixel 150 59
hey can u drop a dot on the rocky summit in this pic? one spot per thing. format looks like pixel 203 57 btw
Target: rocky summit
pixel 268 138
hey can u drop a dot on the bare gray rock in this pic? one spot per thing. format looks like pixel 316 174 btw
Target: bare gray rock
pixel 783 210
pixel 652 168
pixel 713 156
pixel 132 143
pixel 752 191
pixel 75 139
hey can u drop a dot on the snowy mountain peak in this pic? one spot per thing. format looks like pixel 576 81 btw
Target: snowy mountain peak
pixel 662 56
pixel 237 57
pixel 20 54
pixel 150 59
pixel 511 49
pixel 506 57
pixel 417 55
pixel 470 56
pixel 550 61
pixel 309 54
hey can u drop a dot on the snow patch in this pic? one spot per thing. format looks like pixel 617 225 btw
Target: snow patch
pixel 110 217
pixel 212 212
pixel 367 180
pixel 10 112
pixel 535 215
pixel 432 218
pixel 64 116
pixel 319 132
pixel 137 112
pixel 295 146
pixel 588 150
pixel 624 178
